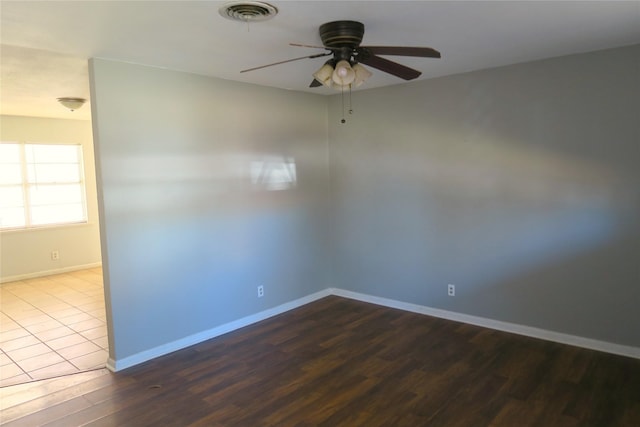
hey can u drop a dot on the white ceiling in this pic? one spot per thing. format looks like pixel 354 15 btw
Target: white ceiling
pixel 45 45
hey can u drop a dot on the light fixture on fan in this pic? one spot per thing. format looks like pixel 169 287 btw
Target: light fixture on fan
pixel 325 73
pixel 342 74
pixel 72 103
pixel 362 74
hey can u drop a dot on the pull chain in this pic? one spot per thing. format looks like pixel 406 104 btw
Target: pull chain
pixel 342 90
pixel 350 104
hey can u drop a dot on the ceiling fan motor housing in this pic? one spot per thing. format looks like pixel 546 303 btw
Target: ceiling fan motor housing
pixel 339 34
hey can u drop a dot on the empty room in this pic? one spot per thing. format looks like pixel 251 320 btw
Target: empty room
pixel 354 213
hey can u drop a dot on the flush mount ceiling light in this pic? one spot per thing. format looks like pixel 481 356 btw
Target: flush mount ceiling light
pixel 72 103
pixel 248 11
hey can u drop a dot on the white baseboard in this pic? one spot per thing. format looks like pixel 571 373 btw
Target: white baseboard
pixel 144 356
pixel 37 274
pixel 115 365
pixel 607 347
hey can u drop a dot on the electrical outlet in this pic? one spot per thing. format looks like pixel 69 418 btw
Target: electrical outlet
pixel 451 290
pixel 55 255
pixel 260 291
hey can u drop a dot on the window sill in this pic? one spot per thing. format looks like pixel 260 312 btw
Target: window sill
pixel 48 227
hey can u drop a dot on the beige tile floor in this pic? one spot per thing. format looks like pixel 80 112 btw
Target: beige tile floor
pixel 52 326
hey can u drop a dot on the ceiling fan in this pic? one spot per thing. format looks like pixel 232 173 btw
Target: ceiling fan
pixel 342 41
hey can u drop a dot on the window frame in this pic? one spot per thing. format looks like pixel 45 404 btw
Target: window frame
pixel 26 187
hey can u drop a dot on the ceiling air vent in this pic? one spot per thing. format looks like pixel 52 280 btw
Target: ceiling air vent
pixel 248 11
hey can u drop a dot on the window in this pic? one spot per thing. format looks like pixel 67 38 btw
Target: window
pixel 41 184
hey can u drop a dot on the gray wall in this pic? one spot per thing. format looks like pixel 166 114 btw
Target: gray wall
pixel 520 185
pixel 192 221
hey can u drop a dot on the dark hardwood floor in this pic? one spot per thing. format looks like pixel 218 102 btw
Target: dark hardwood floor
pixel 338 362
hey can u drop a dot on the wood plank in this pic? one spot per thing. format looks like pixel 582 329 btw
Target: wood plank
pixel 41 395
pixel 339 362
pixel 21 393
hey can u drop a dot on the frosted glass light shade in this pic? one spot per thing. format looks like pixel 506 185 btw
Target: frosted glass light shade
pixel 324 74
pixel 362 74
pixel 343 75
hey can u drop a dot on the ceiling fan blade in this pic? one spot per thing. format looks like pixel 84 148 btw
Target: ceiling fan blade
pixel 288 60
pixel 390 67
pixel 307 45
pixel 424 52
pixel 315 83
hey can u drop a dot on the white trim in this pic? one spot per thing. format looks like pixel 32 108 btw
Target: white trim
pixel 622 350
pixel 49 272
pixel 116 365
pixel 48 227
pixel 111 364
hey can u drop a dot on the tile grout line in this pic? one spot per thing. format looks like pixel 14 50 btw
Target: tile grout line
pixel 89 298
pixel 15 363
